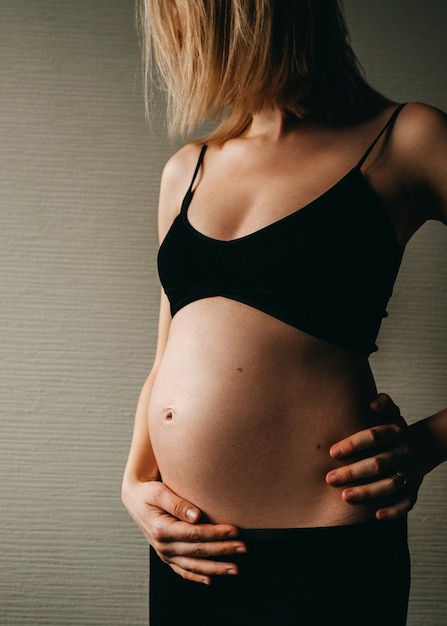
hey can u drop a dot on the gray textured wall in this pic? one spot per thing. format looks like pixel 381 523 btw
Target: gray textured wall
pixel 79 176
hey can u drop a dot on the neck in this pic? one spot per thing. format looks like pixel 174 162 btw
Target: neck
pixel 271 124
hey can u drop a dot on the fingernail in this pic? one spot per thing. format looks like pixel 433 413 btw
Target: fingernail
pixel 231 572
pixel 192 515
pixel 241 550
pixel 349 495
pixel 336 451
pixel 332 479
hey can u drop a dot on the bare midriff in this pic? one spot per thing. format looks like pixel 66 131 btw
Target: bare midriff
pixel 242 414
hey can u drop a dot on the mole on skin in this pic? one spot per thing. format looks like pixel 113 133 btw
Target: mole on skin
pixel 239 369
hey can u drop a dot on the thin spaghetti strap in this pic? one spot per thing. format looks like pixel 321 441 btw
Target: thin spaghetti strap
pixel 387 125
pixel 189 193
pixel 199 163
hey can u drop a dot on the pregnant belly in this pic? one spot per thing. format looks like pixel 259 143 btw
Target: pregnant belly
pixel 242 428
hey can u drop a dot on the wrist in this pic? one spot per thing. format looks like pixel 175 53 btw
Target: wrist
pixel 429 439
pixel 132 479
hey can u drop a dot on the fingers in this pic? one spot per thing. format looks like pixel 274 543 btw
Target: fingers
pixel 167 529
pixel 203 550
pixel 203 540
pixel 366 468
pixel 198 569
pixel 389 474
pixel 195 551
pixel 392 487
pixel 201 571
pixel 401 505
pixel 398 509
pixel 174 518
pixel 365 439
pixel 388 486
pixel 191 549
pixel 177 521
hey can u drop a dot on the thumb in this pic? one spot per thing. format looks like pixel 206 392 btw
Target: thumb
pixel 162 497
pixel 384 406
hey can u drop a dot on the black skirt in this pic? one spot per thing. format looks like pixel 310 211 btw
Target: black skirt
pixel 357 575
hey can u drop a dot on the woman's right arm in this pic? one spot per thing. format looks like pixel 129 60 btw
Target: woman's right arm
pixel 170 523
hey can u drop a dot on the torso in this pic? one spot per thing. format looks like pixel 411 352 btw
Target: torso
pixel 244 410
pixel 245 407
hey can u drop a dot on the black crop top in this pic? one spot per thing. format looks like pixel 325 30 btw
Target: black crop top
pixel 327 269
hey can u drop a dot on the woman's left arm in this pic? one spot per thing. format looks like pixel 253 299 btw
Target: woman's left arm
pixel 399 456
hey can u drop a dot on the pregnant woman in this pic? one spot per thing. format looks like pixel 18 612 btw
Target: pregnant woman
pixel 281 237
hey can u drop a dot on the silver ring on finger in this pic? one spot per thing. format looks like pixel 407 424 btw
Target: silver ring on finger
pixel 402 478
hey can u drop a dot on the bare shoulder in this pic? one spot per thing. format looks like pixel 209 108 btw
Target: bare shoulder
pixel 179 169
pixel 421 125
pixel 420 146
pixel 175 180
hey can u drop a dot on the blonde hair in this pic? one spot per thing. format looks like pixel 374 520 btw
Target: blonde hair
pixel 228 59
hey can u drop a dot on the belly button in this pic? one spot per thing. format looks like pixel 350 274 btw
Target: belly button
pixel 168 416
